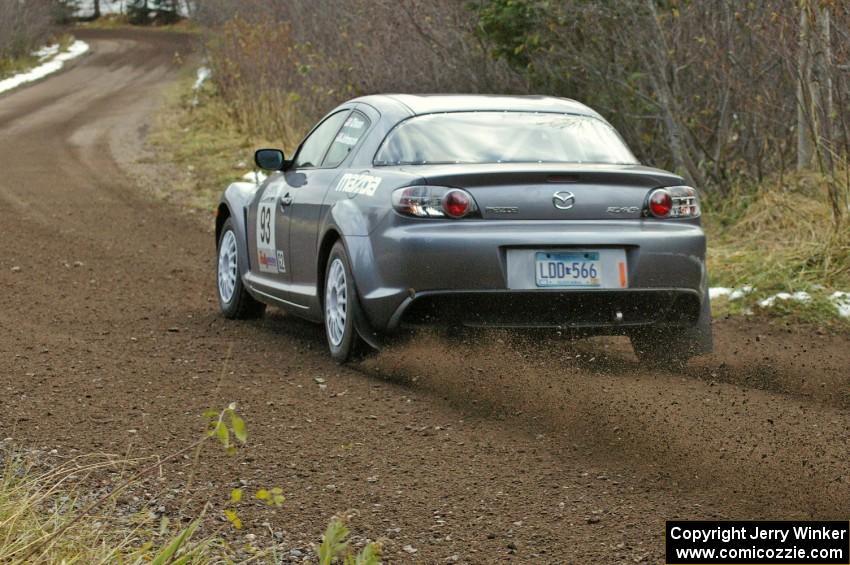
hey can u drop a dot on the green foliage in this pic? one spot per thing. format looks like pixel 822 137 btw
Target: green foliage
pixel 63 11
pixel 335 545
pixel 220 430
pixel 512 28
pixel 234 519
pixel 178 542
pixel 273 497
pixel 144 12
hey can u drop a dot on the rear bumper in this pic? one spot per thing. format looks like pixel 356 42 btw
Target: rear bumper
pixel 410 271
pixel 612 311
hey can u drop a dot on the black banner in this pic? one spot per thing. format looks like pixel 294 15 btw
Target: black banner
pixel 758 543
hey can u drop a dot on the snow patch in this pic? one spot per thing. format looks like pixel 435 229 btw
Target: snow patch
pixel 842 303
pixel 54 64
pixel 255 176
pixel 718 291
pixel 840 299
pixel 204 73
pixel 731 293
pixel 47 51
pixel 799 296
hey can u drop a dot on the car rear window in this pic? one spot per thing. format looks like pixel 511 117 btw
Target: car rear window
pixel 502 137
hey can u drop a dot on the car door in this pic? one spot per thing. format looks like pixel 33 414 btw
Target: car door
pixel 299 198
pixel 310 200
pixel 269 214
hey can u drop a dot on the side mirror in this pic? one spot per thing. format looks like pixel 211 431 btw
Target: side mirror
pixel 269 159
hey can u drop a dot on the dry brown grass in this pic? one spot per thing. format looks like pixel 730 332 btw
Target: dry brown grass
pixel 780 236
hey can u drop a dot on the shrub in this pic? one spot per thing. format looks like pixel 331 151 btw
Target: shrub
pixel 282 65
pixel 24 26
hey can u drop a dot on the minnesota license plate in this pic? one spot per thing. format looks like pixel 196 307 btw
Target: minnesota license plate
pixel 568 268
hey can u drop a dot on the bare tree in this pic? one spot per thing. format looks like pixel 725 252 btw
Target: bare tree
pixel 24 26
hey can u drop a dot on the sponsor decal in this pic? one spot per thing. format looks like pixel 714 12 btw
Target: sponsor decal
pixel 281 264
pixel 346 139
pixel 351 183
pixel 354 122
pixel 268 262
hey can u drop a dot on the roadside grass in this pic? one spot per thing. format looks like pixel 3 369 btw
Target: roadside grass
pixel 196 131
pixel 36 504
pixel 50 514
pixel 16 65
pixel 777 236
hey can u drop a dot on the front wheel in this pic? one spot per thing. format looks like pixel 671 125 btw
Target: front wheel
pixel 233 298
pixel 340 306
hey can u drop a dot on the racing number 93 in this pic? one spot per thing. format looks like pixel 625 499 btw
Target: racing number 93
pixel 265 224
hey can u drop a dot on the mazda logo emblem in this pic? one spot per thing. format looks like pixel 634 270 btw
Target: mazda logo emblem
pixel 563 200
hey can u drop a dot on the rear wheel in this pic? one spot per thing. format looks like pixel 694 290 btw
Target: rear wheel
pixel 340 306
pixel 233 298
pixel 674 347
pixel 669 347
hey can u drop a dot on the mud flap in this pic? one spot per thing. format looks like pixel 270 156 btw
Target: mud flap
pixel 702 336
pixel 364 328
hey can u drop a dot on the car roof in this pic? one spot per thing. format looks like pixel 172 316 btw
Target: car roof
pixel 436 103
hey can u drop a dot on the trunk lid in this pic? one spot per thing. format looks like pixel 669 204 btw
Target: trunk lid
pixel 553 192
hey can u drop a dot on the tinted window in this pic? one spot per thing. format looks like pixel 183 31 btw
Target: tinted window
pixel 314 147
pixel 502 137
pixel 352 131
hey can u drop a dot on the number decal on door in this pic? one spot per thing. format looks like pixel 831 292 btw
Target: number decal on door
pixel 265 224
pixel 266 248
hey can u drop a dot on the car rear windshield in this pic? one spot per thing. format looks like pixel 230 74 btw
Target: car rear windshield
pixel 502 137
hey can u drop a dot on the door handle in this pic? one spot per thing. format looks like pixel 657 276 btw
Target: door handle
pixel 285 201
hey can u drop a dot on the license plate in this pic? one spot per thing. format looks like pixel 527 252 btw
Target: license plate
pixel 570 268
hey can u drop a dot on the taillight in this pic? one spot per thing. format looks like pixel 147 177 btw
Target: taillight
pixel 457 203
pixel 660 203
pixel 674 202
pixel 434 202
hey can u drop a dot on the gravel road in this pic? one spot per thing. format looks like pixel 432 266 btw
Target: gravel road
pixel 500 449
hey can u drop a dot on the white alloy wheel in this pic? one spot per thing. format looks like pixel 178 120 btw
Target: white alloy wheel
pixel 228 268
pixel 336 302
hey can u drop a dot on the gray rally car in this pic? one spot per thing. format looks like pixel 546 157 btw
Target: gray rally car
pixel 490 211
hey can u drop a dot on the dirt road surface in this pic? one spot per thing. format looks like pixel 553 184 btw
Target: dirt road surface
pixel 497 450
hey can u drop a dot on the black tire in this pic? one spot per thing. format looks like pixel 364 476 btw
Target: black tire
pixel 240 305
pixel 674 347
pixel 344 342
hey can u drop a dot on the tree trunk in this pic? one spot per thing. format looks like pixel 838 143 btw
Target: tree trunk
pixel 96 9
pixel 655 55
pixel 805 130
pixel 815 110
pixel 822 87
